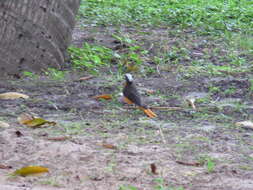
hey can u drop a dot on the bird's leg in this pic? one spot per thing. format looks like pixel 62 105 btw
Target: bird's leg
pixel 148 112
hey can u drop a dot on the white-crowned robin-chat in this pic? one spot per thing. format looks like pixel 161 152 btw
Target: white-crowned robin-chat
pixel 132 96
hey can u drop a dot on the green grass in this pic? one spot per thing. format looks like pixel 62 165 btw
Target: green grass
pixel 55 74
pixel 251 85
pixel 211 16
pixel 29 74
pixel 228 24
pixel 127 187
pixel 90 57
pixel 209 163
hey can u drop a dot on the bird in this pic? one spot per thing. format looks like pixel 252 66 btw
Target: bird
pixel 132 96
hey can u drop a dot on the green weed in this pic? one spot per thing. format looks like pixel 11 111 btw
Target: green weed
pixel 251 85
pixel 29 74
pixel 230 91
pixel 209 163
pixel 55 74
pixel 90 57
pixel 127 187
pixel 210 16
pixel 214 89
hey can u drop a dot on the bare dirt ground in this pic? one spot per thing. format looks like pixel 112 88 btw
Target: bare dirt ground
pixel 220 152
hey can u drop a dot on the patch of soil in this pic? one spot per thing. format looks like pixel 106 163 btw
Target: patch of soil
pixel 207 136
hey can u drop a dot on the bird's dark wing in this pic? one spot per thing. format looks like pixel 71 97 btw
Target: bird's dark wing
pixel 132 94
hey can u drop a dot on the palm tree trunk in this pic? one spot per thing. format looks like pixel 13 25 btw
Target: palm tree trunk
pixel 34 34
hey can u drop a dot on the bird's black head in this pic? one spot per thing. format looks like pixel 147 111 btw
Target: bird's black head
pixel 129 78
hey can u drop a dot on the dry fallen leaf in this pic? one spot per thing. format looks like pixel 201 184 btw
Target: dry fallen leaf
pixel 12 96
pixel 37 122
pixel 245 124
pixel 191 102
pixel 4 125
pixel 109 146
pixel 153 169
pixel 85 78
pixel 25 117
pixel 103 96
pixel 30 170
pixel 5 167
pixel 30 121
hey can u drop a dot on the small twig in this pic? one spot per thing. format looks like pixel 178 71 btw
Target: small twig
pixel 196 164
pixel 84 78
pixel 157 108
pixel 191 102
pixel 58 138
pixel 66 90
pixel 157 69
pixel 55 106
pixel 96 112
pixel 161 133
pixel 165 108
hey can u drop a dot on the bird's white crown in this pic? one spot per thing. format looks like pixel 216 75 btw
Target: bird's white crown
pixel 129 77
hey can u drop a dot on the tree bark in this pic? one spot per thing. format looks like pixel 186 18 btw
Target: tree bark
pixel 34 34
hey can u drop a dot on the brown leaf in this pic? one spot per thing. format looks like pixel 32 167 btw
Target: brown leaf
pixel 85 78
pixel 12 96
pixel 30 170
pixel 25 117
pixel 109 146
pixel 153 169
pixel 103 96
pixel 5 167
pixel 196 164
pixel 58 138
